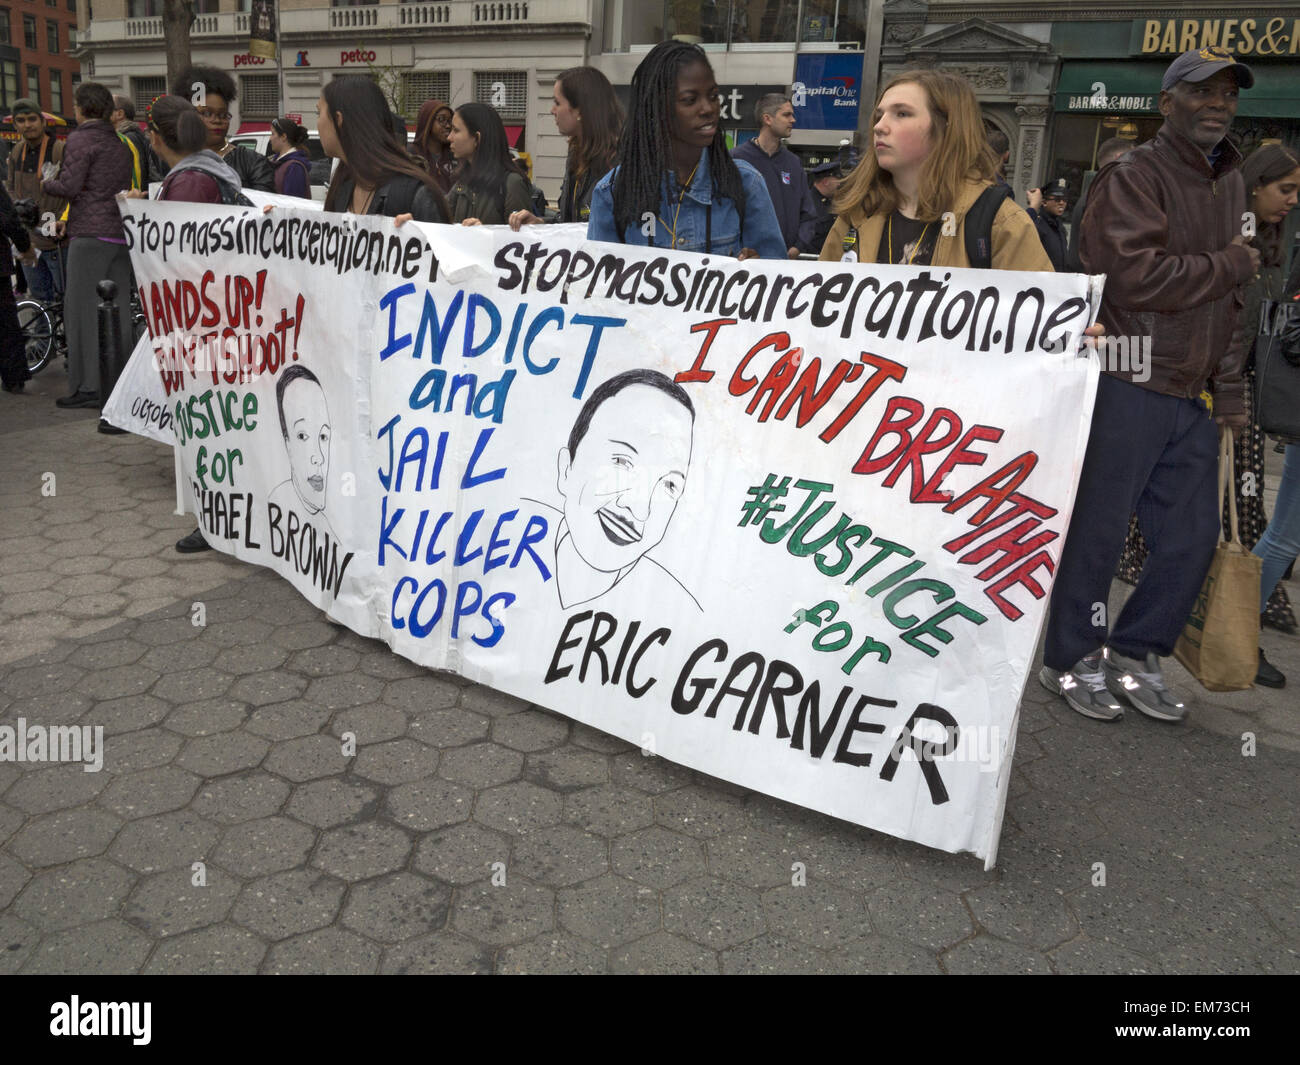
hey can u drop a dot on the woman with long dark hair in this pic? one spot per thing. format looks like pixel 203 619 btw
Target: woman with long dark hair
pixel 1272 178
pixel 587 112
pixel 676 185
pixel 432 130
pixel 488 186
pixel 375 174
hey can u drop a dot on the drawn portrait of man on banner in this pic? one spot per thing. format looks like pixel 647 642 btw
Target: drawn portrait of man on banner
pixel 621 474
pixel 305 427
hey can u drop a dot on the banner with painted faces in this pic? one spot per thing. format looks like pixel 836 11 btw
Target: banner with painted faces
pixel 790 524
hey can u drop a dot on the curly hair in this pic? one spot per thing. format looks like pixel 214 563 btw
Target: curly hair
pixel 210 78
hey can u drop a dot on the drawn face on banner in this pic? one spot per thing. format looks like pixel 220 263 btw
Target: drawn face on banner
pixel 622 484
pixel 307 439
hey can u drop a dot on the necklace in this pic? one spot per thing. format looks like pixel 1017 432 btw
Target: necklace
pixel 365 206
pixel 678 213
pixel 915 247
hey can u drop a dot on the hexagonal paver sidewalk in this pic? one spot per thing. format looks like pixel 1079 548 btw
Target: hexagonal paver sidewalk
pixel 280 795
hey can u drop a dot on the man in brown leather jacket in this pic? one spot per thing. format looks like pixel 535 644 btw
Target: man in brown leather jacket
pixel 1164 224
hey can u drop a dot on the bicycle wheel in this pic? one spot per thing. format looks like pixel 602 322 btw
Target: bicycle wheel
pixel 38 334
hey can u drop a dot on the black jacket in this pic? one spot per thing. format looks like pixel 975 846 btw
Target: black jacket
pixel 151 166
pixel 486 206
pixel 254 170
pixel 10 229
pixel 1052 236
pixel 398 195
pixel 575 200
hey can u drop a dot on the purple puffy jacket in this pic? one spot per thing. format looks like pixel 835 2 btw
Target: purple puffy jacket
pixel 96 167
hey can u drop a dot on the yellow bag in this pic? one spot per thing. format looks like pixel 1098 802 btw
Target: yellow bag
pixel 1219 644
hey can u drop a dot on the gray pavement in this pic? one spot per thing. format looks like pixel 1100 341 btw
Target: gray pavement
pixel 472 833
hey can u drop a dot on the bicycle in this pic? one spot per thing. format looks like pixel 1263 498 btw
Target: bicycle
pixel 42 328
pixel 43 333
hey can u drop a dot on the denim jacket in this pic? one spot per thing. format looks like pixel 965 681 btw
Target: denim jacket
pixel 762 233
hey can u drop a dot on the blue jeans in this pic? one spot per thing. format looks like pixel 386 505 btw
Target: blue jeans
pixel 45 279
pixel 1280 543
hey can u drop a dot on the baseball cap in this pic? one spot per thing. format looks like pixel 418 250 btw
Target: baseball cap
pixel 1058 189
pixel 25 106
pixel 1197 64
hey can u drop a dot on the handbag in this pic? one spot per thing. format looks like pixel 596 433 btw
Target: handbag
pixel 1219 645
pixel 1277 373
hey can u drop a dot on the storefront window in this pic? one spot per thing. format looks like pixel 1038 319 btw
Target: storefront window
pixel 734 22
pixel 762 21
pixel 834 20
pixel 1079 136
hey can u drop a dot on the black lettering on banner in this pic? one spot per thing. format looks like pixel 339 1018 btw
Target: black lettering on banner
pixel 926 751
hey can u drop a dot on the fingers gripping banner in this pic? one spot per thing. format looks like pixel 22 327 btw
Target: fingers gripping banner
pixel 790 524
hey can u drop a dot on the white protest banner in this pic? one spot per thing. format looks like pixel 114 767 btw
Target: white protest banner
pixel 139 401
pixel 790 524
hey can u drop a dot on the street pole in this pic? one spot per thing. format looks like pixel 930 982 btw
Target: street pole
pixel 279 63
pixel 870 70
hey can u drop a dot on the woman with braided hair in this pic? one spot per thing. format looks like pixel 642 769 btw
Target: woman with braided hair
pixel 676 185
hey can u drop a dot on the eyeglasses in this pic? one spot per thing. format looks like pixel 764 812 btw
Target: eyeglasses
pixel 215 116
pixel 443 119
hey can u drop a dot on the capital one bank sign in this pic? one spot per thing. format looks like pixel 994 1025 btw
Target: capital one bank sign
pixel 827 90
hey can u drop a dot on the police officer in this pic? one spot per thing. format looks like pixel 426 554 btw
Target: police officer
pixel 823 182
pixel 1046 206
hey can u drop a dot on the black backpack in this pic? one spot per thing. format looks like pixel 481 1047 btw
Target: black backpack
pixel 978 229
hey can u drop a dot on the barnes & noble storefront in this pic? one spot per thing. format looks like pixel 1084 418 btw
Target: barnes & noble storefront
pixel 1109 83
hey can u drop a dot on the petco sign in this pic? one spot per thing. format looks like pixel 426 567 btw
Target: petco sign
pixel 357 55
pixel 247 60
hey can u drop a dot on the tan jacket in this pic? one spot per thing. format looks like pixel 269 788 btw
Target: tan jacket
pixel 1015 240
pixel 26 185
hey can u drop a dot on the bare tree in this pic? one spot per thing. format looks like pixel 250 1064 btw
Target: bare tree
pixel 178 16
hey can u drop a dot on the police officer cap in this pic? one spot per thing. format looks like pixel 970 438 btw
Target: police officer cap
pixel 1197 64
pixel 1057 190
pixel 823 168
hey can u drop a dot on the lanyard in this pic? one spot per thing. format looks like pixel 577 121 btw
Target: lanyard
pixel 915 247
pixel 40 160
pixel 681 197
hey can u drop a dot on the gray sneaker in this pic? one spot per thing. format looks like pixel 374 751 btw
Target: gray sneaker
pixel 1142 685
pixel 1084 688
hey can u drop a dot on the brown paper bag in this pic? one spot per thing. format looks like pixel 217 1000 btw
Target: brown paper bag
pixel 1219 644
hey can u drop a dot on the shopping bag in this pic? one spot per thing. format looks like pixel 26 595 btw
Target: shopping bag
pixel 1219 644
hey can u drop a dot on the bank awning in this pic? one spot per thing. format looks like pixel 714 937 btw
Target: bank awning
pixel 1134 88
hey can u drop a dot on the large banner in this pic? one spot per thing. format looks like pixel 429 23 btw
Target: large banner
pixel 790 524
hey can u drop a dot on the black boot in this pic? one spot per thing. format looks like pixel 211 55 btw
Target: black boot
pixel 1268 675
